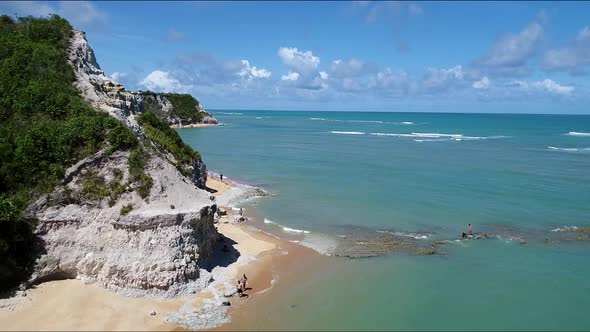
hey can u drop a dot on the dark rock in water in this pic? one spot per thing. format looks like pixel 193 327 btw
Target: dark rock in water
pixel 364 243
pixel 172 207
pixel 426 251
pixel 226 303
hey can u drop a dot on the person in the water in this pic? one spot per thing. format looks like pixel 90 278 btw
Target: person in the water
pixel 470 229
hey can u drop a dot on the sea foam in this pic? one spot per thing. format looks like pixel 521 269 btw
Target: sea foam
pixel 285 228
pixel 575 133
pixel 347 132
pixel 554 148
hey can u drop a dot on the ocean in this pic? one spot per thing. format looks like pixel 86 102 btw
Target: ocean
pixel 427 176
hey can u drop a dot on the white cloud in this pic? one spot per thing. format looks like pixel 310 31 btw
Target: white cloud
pixel 350 68
pixel 573 57
pixel 553 87
pixel 324 75
pixel 162 81
pixel 118 76
pixel 250 72
pixel 510 53
pixel 440 79
pixel 291 76
pixel 546 85
pixel 482 84
pixel 301 62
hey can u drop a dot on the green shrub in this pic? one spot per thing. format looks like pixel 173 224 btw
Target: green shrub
pixel 94 187
pixel 45 127
pixel 167 138
pixel 184 106
pixel 126 209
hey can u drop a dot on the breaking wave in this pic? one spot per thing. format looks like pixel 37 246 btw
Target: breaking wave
pixel 437 137
pixel 565 229
pixel 416 236
pixel 285 228
pixel 364 121
pixel 568 149
pixel 347 132
pixel 575 133
pixel 228 113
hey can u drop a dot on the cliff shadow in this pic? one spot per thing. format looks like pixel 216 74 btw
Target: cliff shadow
pixel 224 253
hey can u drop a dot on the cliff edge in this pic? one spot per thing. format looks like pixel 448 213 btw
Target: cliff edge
pixel 136 221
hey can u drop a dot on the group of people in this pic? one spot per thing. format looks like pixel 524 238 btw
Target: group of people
pixel 469 232
pixel 241 286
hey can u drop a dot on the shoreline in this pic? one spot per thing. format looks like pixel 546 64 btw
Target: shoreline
pixel 72 305
pixel 197 125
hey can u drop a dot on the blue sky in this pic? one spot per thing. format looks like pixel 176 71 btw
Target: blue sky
pixel 529 57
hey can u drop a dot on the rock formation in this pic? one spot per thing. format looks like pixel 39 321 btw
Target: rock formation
pixel 105 231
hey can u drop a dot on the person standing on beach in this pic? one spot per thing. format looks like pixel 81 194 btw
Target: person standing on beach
pixel 470 229
pixel 221 177
pixel 239 288
pixel 244 281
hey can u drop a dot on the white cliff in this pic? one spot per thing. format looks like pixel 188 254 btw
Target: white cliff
pixel 153 247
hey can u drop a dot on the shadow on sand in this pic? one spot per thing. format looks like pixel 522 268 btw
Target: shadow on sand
pixel 223 254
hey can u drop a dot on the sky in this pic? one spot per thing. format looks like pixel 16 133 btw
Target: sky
pixel 510 57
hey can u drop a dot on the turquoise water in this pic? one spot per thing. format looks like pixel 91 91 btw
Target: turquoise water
pixel 395 171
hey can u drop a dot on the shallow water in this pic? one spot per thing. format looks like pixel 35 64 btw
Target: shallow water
pixel 427 174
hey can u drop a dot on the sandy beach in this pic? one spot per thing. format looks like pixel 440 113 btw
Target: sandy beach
pixel 73 305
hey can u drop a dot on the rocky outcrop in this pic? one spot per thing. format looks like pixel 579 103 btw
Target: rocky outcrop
pixel 104 231
pixel 107 94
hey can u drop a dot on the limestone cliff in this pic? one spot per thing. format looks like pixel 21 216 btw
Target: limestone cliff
pixel 109 95
pixel 99 227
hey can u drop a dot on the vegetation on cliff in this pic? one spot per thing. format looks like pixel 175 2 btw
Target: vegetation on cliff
pixel 184 106
pixel 168 140
pixel 45 127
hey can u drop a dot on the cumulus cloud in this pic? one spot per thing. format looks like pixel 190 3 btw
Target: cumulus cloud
pixel 442 79
pixel 291 76
pixel 81 14
pixel 301 62
pixel 510 53
pixel 250 72
pixel 482 84
pixel 163 81
pixel 574 57
pixel 350 68
pixel 553 87
pixel 117 76
pixel 546 85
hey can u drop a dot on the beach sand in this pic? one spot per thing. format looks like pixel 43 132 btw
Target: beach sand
pixel 220 186
pixel 73 305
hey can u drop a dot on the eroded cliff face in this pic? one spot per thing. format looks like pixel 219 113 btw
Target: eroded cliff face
pixel 135 245
pixel 107 94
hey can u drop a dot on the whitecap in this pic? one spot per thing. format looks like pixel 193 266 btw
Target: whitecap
pixel 575 133
pixel 416 236
pixel 568 149
pixel 347 132
pixel 565 229
pixel 285 228
pixel 318 119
